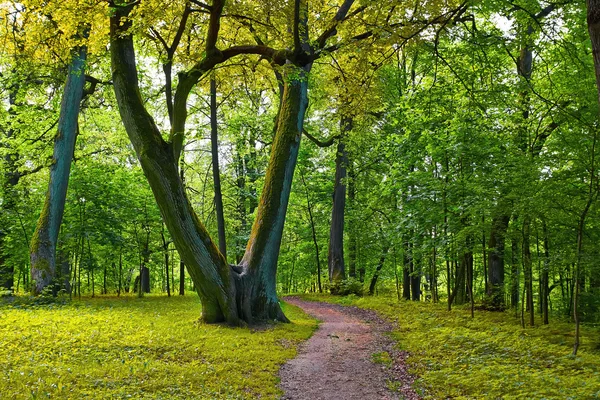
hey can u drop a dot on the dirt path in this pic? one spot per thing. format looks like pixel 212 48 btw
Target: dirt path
pixel 337 361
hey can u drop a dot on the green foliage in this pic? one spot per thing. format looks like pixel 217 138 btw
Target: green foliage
pixel 490 356
pixel 139 348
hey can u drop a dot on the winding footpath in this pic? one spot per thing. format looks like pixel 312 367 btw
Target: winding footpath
pixel 337 361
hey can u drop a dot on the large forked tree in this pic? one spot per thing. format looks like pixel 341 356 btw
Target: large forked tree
pixel 246 292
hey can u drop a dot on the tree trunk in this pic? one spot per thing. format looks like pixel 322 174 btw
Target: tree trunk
pixel 181 278
pixel 545 276
pixel 406 257
pixel 335 259
pixel 460 291
pixel 528 271
pixel 241 204
pixel 352 241
pixel 11 179
pixel 514 274
pixel 496 262
pixel 43 242
pixel 314 234
pixel 246 292
pixel 384 251
pixel 214 140
pixel 415 276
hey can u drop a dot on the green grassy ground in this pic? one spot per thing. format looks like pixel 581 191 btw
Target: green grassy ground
pixel 150 348
pixel 491 356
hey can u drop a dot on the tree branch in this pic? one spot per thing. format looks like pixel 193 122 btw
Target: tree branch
pixel 319 143
pixel 339 17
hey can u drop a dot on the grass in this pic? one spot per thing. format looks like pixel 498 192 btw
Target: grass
pixel 150 348
pixel 489 357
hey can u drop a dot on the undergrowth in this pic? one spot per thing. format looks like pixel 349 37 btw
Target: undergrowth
pixel 150 348
pixel 490 356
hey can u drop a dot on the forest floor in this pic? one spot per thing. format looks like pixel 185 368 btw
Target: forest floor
pixel 489 356
pixel 349 357
pixel 140 348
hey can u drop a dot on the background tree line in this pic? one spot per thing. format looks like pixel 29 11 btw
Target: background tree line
pixel 457 166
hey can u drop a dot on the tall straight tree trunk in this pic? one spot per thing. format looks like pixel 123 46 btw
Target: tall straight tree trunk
pixel 214 140
pixel 241 205
pixel 528 271
pixel 496 261
pixel 43 242
pixel 167 262
pixel 181 278
pixel 545 275
pixel 406 256
pixel 415 277
pixel 335 259
pixel 352 240
pixel 514 274
pixel 11 179
pixel 314 234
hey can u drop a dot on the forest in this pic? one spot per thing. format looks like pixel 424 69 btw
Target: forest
pixel 193 193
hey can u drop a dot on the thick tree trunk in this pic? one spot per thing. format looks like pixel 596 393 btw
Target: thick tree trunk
pixel 335 259
pixel 496 261
pixel 43 242
pixel 234 294
pixel 214 140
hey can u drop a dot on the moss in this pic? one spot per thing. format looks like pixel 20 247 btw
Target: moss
pixel 140 348
pixel 41 229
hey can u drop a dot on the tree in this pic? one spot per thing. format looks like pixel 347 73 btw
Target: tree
pixel 44 240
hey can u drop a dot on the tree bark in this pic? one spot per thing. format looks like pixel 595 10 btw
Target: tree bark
pixel 11 179
pixel 496 261
pixel 528 271
pixel 181 278
pixel 514 274
pixel 238 294
pixel 214 139
pixel 335 259
pixel 545 275
pixel 43 242
pixel 406 256
pixel 352 241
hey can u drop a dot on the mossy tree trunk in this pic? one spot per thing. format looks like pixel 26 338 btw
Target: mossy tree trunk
pixel 43 242
pixel 245 292
pixel 233 294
